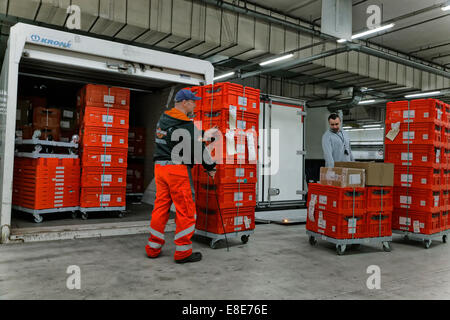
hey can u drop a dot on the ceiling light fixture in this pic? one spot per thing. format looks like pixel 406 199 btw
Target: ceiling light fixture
pixel 224 75
pixel 372 126
pixel 424 94
pixel 276 59
pixel 366 101
pixel 368 32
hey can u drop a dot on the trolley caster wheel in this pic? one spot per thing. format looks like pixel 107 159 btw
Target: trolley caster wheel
pixel 244 239
pixel 38 219
pixel 340 249
pixel 84 216
pixel 444 238
pixel 386 247
pixel 213 244
pixel 427 243
pixel 74 215
pixel 121 214
pixel 312 240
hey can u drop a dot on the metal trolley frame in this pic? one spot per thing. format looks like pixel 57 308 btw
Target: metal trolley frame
pixel 341 244
pixel 426 238
pixel 215 237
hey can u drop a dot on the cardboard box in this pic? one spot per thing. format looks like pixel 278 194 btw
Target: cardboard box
pixel 342 177
pixel 378 174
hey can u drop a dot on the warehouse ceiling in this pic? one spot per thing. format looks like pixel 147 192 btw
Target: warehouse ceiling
pixel 414 56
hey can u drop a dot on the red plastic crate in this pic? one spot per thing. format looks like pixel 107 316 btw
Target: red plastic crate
pixel 421 156
pixel 230 195
pixel 445 162
pixel 336 225
pixel 337 199
pixel 421 200
pixel 104 137
pixel 233 220
pixel 446 135
pixel 40 198
pixel 97 156
pixel 102 197
pixel 419 133
pixel 103 176
pixel 135 185
pixel 245 173
pixel 103 96
pixel 445 220
pixel 104 117
pixel 222 95
pixel 379 224
pixel 416 222
pixel 418 177
pixel 446 119
pixel 445 179
pixel 221 119
pixel 423 110
pixel 445 200
pixel 379 199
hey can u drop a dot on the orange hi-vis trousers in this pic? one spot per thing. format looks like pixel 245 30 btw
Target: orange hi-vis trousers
pixel 173 184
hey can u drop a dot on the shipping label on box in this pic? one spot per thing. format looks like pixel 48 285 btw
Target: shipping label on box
pixel 342 177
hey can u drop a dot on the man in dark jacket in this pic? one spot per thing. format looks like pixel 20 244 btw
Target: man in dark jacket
pixel 179 146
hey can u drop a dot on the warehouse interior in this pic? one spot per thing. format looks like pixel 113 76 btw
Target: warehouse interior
pixel 317 74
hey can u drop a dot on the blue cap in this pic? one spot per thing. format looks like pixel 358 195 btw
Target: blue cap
pixel 185 94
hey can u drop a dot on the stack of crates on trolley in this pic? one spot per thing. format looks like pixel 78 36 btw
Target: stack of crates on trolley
pixel 46 185
pixel 226 205
pixel 348 213
pixel 104 124
pixel 418 143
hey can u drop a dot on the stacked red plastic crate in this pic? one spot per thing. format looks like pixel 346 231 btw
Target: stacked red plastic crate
pixel 337 212
pixel 104 123
pixel 46 183
pixel 234 109
pixel 420 153
pixel 349 213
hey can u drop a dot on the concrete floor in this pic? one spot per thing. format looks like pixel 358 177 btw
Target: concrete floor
pixel 277 263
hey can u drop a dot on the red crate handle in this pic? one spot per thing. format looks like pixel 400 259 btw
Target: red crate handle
pixel 381 192
pixel 214 90
pixel 379 217
pixel 356 194
pixel 46 111
pixel 352 217
pixel 435 215
pixel 212 114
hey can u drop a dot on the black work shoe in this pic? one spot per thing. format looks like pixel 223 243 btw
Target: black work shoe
pixel 194 257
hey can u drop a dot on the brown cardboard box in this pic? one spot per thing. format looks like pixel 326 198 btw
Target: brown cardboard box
pixel 378 174
pixel 342 177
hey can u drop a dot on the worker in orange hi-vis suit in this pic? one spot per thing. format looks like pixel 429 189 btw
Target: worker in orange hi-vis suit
pixel 174 180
